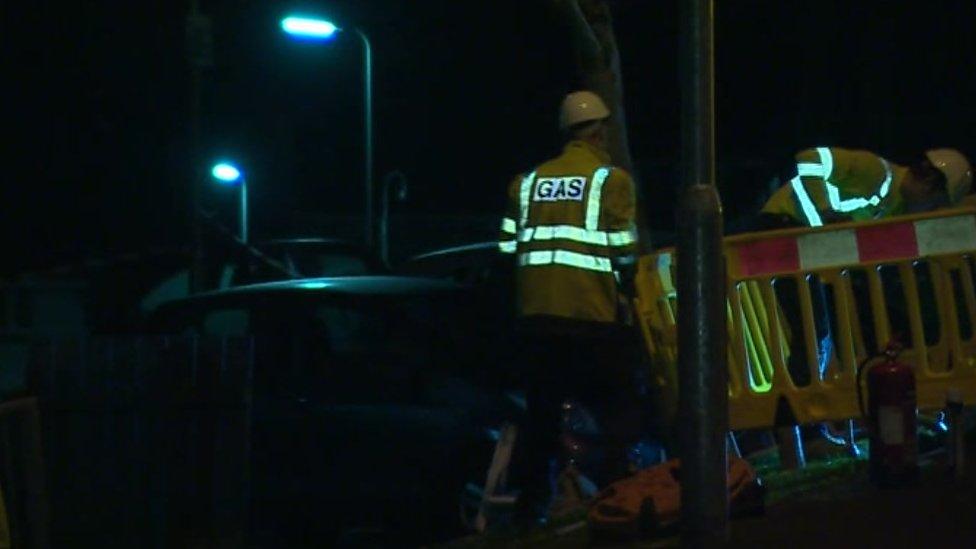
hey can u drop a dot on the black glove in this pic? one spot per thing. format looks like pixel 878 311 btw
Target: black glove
pixel 625 268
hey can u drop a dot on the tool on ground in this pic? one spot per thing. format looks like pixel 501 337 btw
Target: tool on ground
pixel 649 503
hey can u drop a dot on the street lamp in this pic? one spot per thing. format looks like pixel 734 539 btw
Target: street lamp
pixel 228 173
pixel 309 28
pixel 321 30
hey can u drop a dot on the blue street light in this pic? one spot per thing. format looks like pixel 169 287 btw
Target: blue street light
pixel 309 28
pixel 313 28
pixel 226 173
pixel 229 174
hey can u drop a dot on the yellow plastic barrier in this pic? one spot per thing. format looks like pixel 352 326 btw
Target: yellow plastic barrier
pixel 911 274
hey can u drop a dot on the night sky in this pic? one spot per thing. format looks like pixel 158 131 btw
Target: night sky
pixel 97 105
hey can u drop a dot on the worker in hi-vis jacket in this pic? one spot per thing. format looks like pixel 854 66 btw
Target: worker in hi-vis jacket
pixel 830 185
pixel 571 230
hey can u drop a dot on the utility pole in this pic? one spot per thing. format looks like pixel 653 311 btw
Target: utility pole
pixel 702 371
pixel 199 52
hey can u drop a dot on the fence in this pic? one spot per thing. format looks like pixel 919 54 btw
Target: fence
pixel 865 283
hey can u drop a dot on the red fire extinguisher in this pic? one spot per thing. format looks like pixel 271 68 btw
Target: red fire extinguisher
pixel 891 417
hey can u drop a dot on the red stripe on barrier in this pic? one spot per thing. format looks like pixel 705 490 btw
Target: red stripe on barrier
pixel 887 242
pixel 768 256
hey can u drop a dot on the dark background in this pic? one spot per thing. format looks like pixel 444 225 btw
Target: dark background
pixel 96 109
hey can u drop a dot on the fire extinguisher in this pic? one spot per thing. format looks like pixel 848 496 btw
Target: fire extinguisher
pixel 891 416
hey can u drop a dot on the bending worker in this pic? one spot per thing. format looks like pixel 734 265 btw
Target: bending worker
pixel 570 224
pixel 831 184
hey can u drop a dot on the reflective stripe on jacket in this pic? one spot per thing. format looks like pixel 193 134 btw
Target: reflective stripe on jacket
pixel 566 222
pixel 832 184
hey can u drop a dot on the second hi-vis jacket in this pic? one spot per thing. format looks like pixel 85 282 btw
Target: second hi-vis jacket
pixel 832 184
pixel 567 222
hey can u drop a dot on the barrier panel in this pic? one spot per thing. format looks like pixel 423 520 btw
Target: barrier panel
pixel 864 282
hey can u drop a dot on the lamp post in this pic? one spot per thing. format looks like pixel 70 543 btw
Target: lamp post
pixel 394 181
pixel 199 50
pixel 321 30
pixel 228 173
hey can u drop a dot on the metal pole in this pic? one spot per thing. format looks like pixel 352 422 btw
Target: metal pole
pixel 367 139
pixel 393 178
pixel 198 267
pixel 384 236
pixel 199 50
pixel 703 376
pixel 244 210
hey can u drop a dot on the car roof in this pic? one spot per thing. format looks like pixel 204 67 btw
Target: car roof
pixel 453 251
pixel 322 288
pixel 312 241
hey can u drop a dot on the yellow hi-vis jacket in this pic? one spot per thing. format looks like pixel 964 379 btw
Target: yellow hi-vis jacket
pixel 833 184
pixel 568 222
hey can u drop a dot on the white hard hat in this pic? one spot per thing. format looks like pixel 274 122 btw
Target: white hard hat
pixel 957 171
pixel 581 106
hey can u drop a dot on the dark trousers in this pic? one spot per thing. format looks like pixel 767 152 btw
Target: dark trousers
pixel 595 366
pixel 789 301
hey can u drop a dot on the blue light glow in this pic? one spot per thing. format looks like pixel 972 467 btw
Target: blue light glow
pixel 226 172
pixel 307 27
pixel 313 285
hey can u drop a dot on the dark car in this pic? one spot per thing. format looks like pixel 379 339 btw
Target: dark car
pixel 280 259
pixel 490 279
pixel 374 400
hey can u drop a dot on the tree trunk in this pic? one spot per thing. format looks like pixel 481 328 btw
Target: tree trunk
pixel 598 65
pixel 598 70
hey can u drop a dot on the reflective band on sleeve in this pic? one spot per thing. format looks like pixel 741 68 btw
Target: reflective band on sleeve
pixel 886 184
pixel 833 192
pixel 593 204
pixel 826 162
pixel 508 225
pixel 567 258
pixel 507 246
pixel 664 273
pixel 808 169
pixel 623 238
pixel 851 204
pixel 525 193
pixel 577 234
pixel 809 210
